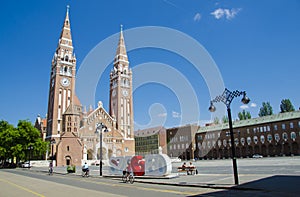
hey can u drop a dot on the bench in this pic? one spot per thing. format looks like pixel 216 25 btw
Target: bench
pixel 189 170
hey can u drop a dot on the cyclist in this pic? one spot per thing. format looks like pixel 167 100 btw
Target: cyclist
pixel 50 168
pixel 85 169
pixel 127 170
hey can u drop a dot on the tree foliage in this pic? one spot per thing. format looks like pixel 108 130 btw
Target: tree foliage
pixel 286 106
pixel 216 120
pixel 265 110
pixel 225 119
pixel 16 142
pixel 244 115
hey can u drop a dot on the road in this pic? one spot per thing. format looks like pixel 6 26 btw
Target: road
pixel 28 183
pixel 268 176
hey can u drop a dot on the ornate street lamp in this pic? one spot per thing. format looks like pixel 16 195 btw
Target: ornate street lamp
pixel 30 147
pixel 99 128
pixel 52 144
pixel 226 98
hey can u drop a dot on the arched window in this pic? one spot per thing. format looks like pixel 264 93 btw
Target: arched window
pixel 248 140
pixel 66 58
pixel 285 136
pixel 277 138
pixel 269 137
pixel 255 139
pixel 242 141
pixel 293 136
pixel 262 139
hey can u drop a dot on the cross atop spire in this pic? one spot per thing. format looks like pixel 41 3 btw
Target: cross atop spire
pixel 121 54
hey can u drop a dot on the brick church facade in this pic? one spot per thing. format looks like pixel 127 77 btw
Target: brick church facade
pixel 70 129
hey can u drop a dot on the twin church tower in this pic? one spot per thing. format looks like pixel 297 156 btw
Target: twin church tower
pixel 70 128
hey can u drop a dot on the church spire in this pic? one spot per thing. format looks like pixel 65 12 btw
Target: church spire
pixel 65 39
pixel 121 54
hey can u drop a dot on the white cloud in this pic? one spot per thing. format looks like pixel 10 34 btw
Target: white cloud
pixel 162 115
pixel 197 17
pixel 229 14
pixel 253 105
pixel 244 106
pixel 175 114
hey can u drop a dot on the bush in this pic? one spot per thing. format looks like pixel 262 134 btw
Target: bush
pixel 71 169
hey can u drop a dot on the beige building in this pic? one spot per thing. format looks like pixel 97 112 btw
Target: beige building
pixel 150 141
pixel 72 129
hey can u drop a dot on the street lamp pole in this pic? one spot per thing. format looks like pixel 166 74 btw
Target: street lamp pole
pixel 99 128
pixel 226 98
pixel 52 144
pixel 29 148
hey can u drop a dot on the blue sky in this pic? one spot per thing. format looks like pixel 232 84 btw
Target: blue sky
pixel 255 45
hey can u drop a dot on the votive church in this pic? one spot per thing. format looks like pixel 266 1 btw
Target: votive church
pixel 71 129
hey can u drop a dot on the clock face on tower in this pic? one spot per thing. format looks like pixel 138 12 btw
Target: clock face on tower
pixel 125 92
pixel 113 92
pixel 65 82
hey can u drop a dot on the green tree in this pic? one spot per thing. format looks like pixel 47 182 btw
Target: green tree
pixel 216 120
pixel 225 119
pixel 265 110
pixel 244 115
pixel 7 133
pixel 15 142
pixel 286 106
pixel 29 136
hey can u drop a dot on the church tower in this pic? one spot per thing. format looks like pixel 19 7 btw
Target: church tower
pixel 120 105
pixel 62 81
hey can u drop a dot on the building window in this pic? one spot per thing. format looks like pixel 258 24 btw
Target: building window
pixel 285 136
pixel 262 139
pixel 291 125
pixel 174 146
pixel 277 138
pixel 182 146
pixel 68 148
pixel 268 128
pixel 242 141
pixel 224 143
pixel 275 127
pixel 299 124
pixel 248 140
pixel 170 147
pixel 219 143
pixel 269 137
pixel 208 144
pixel 248 131
pixel 293 136
pixel 283 126
pixel 236 141
pixel 199 137
pixel 255 139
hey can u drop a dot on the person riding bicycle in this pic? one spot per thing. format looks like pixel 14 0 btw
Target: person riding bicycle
pixel 127 170
pixel 85 168
pixel 50 168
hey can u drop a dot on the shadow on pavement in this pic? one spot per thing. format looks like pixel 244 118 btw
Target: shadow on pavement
pixel 279 185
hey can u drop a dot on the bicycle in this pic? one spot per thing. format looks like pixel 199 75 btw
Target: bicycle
pixel 128 178
pixel 50 171
pixel 85 172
